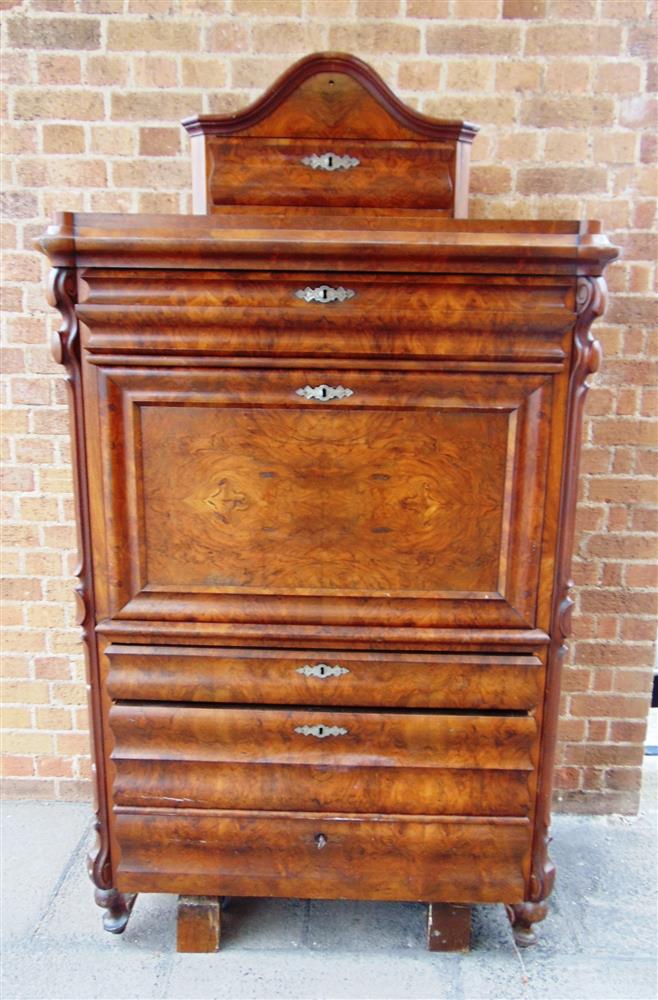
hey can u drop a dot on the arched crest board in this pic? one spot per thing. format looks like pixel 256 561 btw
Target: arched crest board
pixel 329 133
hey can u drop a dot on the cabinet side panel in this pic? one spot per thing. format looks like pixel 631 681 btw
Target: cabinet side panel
pixel 585 360
pixel 62 293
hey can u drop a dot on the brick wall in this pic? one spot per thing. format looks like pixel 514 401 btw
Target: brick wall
pixel 564 90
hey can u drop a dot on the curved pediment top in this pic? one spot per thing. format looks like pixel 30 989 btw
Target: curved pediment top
pixel 331 94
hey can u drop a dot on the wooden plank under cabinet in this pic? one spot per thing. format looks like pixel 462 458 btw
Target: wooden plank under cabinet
pixel 326 435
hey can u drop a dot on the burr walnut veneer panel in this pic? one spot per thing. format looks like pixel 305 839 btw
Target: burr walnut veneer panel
pixel 394 505
pixel 323 677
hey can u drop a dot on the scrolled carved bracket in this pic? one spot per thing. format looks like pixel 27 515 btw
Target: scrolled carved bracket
pixel 62 295
pixel 591 302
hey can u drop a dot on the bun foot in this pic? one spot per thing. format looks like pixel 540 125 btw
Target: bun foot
pixel 118 906
pixel 198 927
pixel 448 927
pixel 522 916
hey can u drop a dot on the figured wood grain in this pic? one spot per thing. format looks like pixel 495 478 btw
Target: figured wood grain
pixel 328 787
pixel 412 739
pixel 331 93
pixel 273 172
pixel 191 674
pixel 452 319
pixel 322 857
pixel 329 242
pixel 339 513
pixel 330 103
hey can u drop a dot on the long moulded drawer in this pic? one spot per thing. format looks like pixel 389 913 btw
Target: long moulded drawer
pixel 320 677
pixel 327 315
pixel 316 856
pixel 227 758
pixel 330 173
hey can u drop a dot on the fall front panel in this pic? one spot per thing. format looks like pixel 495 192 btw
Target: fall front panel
pixel 337 498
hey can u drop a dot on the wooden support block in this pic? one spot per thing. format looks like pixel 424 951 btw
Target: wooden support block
pixel 198 926
pixel 448 927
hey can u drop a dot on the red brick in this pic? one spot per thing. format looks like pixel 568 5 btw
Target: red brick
pixel 567 777
pixel 424 8
pixel 642 576
pixel 623 490
pixel 627 732
pixel 617 601
pixel 152 36
pixel 610 653
pixel 621 547
pixel 571 180
pixel 567 112
pixel 623 778
pixel 619 706
pixel 644 519
pixel 59 69
pixel 495 39
pixel 571 39
pixel 72 104
pixel 16 766
pixel 597 730
pixel 592 778
pixel 636 681
pixel 618 78
pixel 602 680
pixel 526 9
pixel 383 38
pixel 600 755
pixel 53 32
pixel 376 8
pixel 159 142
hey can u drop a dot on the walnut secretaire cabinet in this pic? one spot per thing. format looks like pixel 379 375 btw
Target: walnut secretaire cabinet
pixel 326 440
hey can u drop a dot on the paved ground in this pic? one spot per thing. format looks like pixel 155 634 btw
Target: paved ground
pixel 599 942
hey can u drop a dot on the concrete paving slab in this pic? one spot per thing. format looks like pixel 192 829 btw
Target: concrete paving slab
pixel 598 942
pixel 340 925
pixel 535 977
pixel 39 841
pixel 50 972
pixel 264 924
pixel 314 976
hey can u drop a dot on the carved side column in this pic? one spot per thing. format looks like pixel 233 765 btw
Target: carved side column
pixel 62 294
pixel 591 297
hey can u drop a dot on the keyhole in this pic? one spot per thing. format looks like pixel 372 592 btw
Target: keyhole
pixel 330 160
pixel 331 83
pixel 320 840
pixel 323 670
pixel 320 730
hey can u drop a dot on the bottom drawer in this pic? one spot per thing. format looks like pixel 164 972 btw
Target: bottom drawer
pixel 315 856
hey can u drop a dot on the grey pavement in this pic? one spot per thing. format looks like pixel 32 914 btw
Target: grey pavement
pixel 598 942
